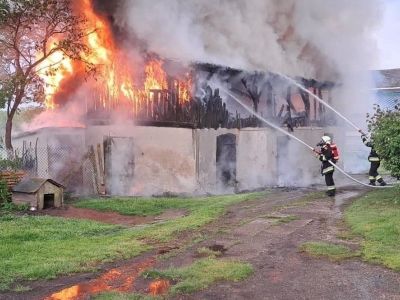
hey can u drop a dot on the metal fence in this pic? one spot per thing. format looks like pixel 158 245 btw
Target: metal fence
pixel 78 170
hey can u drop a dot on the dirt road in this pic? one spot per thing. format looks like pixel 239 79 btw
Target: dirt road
pixel 249 232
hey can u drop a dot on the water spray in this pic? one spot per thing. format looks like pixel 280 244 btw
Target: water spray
pixel 320 101
pixel 294 137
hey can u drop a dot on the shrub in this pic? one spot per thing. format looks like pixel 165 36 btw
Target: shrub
pixel 5 195
pixel 384 126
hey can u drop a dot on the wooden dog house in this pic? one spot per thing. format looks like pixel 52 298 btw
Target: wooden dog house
pixel 38 193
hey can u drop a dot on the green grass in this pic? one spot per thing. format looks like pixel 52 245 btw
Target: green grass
pixel 207 252
pixel 42 247
pixel 302 201
pixel 201 211
pixel 202 273
pixel 278 220
pixel 331 251
pixel 155 206
pixel 122 296
pixel 376 218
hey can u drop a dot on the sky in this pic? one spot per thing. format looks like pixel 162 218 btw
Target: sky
pixel 388 37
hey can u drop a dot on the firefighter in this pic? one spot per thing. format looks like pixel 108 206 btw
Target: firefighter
pixel 334 148
pixel 375 161
pixel 325 155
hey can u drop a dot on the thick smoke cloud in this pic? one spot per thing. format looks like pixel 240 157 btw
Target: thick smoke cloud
pixel 309 38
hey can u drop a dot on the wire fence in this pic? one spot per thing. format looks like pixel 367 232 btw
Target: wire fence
pixel 78 170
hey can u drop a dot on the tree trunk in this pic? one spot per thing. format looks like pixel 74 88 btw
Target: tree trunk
pixel 10 117
pixel 7 137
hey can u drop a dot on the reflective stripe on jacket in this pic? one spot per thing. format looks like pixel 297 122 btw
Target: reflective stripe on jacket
pixel 325 156
pixel 373 156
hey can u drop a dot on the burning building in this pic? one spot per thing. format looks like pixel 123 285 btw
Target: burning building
pixel 144 124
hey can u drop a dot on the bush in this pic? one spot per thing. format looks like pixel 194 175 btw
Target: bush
pixel 5 195
pixel 384 126
pixel 9 207
pixel 10 164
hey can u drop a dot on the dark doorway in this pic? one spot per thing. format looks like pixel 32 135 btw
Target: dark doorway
pixel 226 159
pixel 48 201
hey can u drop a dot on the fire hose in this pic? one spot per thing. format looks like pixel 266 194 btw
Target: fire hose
pixel 296 138
pixel 320 101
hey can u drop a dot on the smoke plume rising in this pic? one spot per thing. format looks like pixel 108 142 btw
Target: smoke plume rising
pixel 311 38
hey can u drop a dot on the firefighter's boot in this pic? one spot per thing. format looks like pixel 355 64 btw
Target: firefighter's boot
pixel 331 193
pixel 382 182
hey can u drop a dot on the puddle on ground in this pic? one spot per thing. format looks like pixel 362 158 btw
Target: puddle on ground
pixel 119 279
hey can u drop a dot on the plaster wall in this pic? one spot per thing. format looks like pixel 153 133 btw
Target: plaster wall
pixel 183 161
pixel 164 157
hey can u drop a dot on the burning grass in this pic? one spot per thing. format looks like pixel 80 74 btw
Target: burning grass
pixel 376 217
pixel 42 247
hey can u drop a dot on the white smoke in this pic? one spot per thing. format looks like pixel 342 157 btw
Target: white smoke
pixel 309 38
pixel 326 40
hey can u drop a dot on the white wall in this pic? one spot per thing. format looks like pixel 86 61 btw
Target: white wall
pixel 164 157
pixel 179 160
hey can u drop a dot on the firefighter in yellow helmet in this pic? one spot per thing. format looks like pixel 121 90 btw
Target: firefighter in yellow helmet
pixel 325 155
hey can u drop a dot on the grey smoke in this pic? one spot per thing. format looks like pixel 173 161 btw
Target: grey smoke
pixel 309 38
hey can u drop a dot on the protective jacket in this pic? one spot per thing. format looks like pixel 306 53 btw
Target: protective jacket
pixel 373 156
pixel 325 156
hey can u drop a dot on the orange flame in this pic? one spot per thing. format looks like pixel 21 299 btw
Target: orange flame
pixel 120 279
pixel 114 83
pixel 156 78
pixel 52 71
pixel 159 287
pixel 185 88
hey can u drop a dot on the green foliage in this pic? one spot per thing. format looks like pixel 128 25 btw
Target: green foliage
pixel 44 28
pixel 11 164
pixel 5 195
pixel 376 218
pixel 331 251
pixel 384 126
pixel 202 273
pixel 6 91
pixel 9 207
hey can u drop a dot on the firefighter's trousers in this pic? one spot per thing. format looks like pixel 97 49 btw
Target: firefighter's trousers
pixel 373 172
pixel 330 184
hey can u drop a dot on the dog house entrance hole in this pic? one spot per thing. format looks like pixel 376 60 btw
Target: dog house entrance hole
pixel 48 201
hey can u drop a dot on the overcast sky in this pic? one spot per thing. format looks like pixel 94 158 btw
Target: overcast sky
pixel 388 36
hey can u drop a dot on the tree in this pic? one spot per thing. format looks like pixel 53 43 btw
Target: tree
pixel 384 126
pixel 31 32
